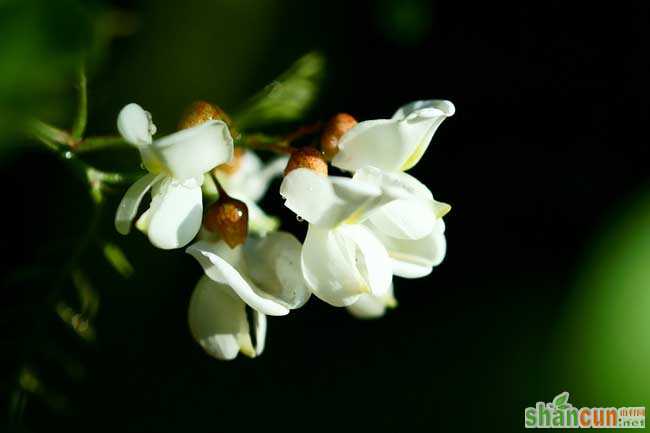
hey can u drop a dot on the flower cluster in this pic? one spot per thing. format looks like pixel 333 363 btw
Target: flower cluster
pixel 362 230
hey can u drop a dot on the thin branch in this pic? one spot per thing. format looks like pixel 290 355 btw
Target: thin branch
pixel 92 144
pixel 282 144
pixel 44 132
pixel 79 124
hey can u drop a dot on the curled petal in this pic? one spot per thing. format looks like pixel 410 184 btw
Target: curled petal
pixel 174 217
pixel 392 145
pixel 342 264
pixel 372 307
pixel 273 263
pixel 128 207
pixel 439 105
pixel 217 319
pixel 190 152
pixel 135 125
pixel 415 258
pixel 220 264
pixel 325 201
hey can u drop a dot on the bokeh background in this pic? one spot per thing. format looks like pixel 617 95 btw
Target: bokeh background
pixel 546 285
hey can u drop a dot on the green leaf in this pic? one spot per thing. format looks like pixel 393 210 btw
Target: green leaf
pixel 286 99
pixel 561 400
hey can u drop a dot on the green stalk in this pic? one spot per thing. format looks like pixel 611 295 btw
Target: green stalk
pixel 79 124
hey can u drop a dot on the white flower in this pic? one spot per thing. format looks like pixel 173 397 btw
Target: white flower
pixel 263 272
pixel 341 258
pixel 218 322
pixel 395 144
pixel 410 227
pixel 176 164
pixel 248 183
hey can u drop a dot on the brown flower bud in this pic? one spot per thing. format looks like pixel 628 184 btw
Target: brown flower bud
pixel 307 157
pixel 234 164
pixel 229 218
pixel 201 111
pixel 334 130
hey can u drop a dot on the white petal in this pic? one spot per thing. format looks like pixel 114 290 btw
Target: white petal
pixel 217 319
pixel 410 211
pixel 273 263
pixel 392 145
pixel 372 307
pixel 415 258
pixel 251 180
pixel 371 259
pixel 214 260
pixel 329 269
pixel 342 264
pixel 405 219
pixel 135 125
pixel 190 152
pixel 395 185
pixel 128 207
pixel 175 214
pixel 325 201
pixel 447 107
pixel 259 324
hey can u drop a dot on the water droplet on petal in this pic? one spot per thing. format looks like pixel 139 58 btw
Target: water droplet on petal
pixel 299 218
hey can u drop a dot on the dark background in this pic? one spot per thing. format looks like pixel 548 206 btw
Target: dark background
pixel 545 287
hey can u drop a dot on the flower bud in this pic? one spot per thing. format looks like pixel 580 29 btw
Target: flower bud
pixel 231 167
pixel 333 131
pixel 307 157
pixel 201 111
pixel 229 218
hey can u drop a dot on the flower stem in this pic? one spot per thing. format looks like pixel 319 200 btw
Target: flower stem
pixel 60 143
pixel 281 144
pixel 92 144
pixel 220 190
pixel 50 135
pixel 80 120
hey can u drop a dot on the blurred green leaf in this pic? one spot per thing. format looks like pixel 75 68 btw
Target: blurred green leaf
pixel 88 296
pixel 606 324
pixel 117 259
pixel 288 98
pixel 76 321
pixel 41 46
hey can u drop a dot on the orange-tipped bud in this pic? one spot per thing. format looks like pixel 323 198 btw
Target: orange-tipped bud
pixel 229 218
pixel 334 130
pixel 307 157
pixel 201 111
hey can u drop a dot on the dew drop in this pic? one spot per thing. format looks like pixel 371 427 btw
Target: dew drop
pixel 67 155
pixel 299 218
